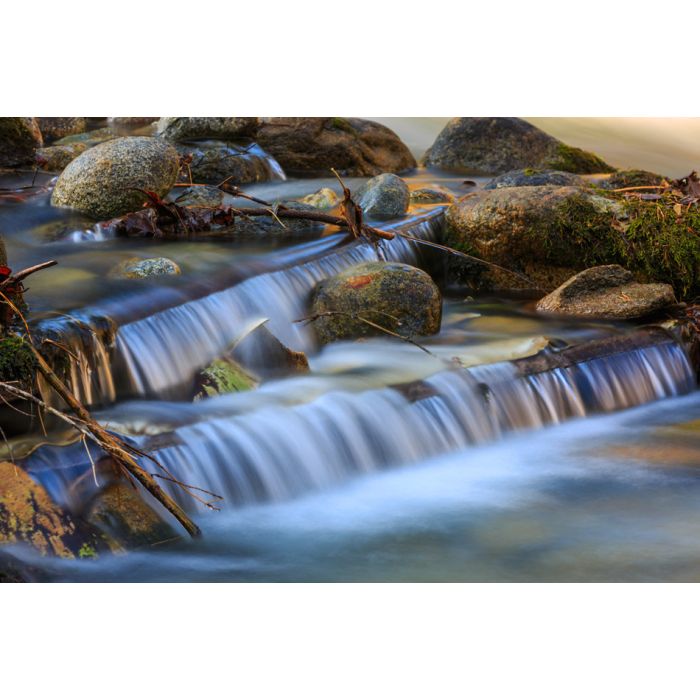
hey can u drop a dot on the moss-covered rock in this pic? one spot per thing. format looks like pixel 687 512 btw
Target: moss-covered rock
pixel 17 361
pixel 223 128
pixel 53 128
pixel 55 158
pixel 325 198
pixel 29 516
pixel 311 146
pixel 19 138
pixel 120 511
pixel 607 292
pixel 632 178
pixel 398 297
pixel 550 233
pixel 107 180
pixel 140 268
pixel 494 145
pixel 532 177
pixel 385 196
pixel 223 376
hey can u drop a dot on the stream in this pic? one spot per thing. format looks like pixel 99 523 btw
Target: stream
pixel 584 473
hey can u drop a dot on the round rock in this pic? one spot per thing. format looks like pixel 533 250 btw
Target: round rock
pixel 106 180
pixel 385 196
pixel 138 268
pixel 531 177
pixel 398 297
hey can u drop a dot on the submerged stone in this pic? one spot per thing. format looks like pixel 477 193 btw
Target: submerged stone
pixel 19 139
pixel 198 197
pixel 396 296
pixel 431 195
pixel 89 138
pixel 120 511
pixel 325 198
pixel 222 128
pixel 607 292
pixel 311 146
pixel 494 145
pixel 109 179
pixel 385 196
pixel 139 268
pixel 531 177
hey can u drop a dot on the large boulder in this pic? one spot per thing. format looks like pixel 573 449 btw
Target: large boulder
pixel 494 145
pixel 19 138
pixel 547 233
pixel 107 180
pixel 396 296
pixel 311 146
pixel 29 516
pixel 385 196
pixel 607 292
pixel 222 128
pixel 531 177
pixel 53 128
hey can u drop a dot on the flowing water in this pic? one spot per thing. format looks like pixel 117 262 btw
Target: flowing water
pixel 384 461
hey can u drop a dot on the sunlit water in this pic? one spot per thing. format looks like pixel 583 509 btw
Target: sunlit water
pixel 336 475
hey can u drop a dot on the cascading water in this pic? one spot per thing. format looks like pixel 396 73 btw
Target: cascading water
pixel 158 355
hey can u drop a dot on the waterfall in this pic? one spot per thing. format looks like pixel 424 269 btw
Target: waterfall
pixel 158 355
pixel 278 452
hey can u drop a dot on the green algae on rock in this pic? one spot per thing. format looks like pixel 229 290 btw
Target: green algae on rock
pixel 19 139
pixel 385 196
pixel 223 376
pixel 494 145
pixel 140 268
pixel 108 180
pixel 17 361
pixel 632 178
pixel 396 296
pixel 607 292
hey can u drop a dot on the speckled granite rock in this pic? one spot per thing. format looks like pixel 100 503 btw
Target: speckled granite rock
pixel 385 196
pixel 105 180
pixel 138 268
pixel 222 128
pixel 531 177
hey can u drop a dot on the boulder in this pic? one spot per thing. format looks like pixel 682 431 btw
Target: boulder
pixel 325 198
pixel 19 138
pixel 385 196
pixel 212 162
pixel 139 268
pixel 431 195
pixel 607 292
pixel 495 145
pixel 221 128
pixel 547 233
pixel 29 516
pixel 53 128
pixel 120 511
pixel 396 296
pixel 106 180
pixel 311 146
pixel 530 177
pixel 55 158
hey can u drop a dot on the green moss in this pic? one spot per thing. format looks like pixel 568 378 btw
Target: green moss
pixel 529 172
pixel 17 361
pixel 632 178
pixel 224 376
pixel 576 160
pixel 342 125
pixel 87 551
